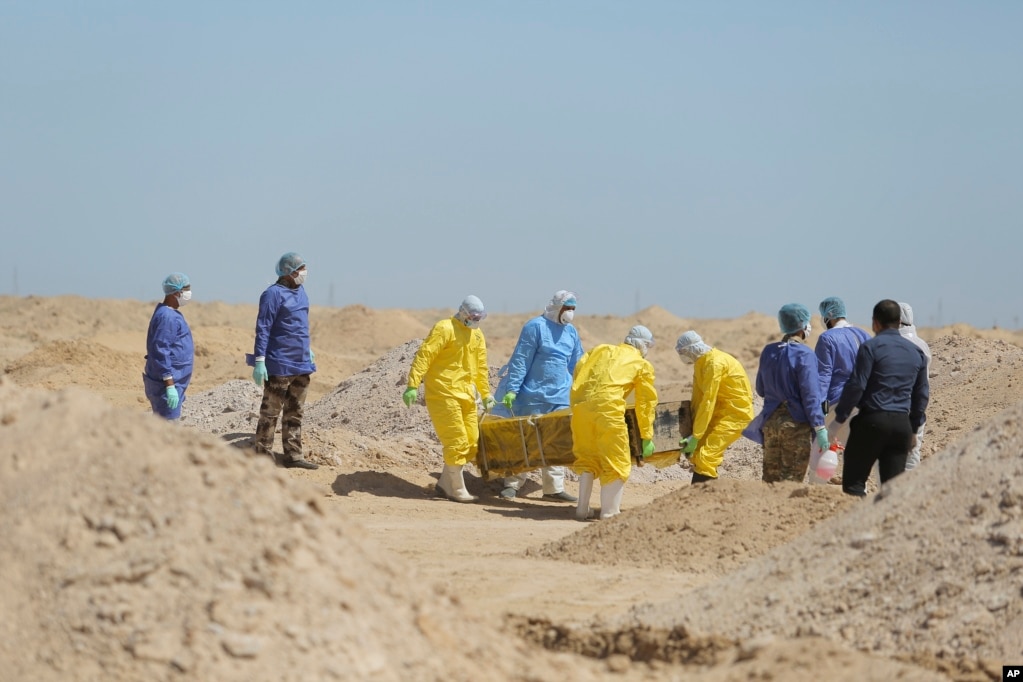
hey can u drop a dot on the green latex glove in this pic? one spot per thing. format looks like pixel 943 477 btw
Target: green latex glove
pixel 259 372
pixel 688 444
pixel 488 403
pixel 648 447
pixel 822 438
pixel 508 399
pixel 312 356
pixel 172 396
pixel 409 396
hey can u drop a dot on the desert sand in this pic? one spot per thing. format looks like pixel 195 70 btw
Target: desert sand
pixel 138 549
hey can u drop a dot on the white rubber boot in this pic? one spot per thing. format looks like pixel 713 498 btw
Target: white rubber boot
pixel 582 507
pixel 611 498
pixel 443 488
pixel 452 485
pixel 447 484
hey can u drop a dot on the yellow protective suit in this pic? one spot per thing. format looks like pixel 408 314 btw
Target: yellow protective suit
pixel 452 365
pixel 600 439
pixel 722 406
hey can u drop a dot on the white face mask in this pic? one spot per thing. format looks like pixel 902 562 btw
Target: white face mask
pixel 687 358
pixel 299 277
pixel 184 297
pixel 808 329
pixel 471 324
pixel 566 316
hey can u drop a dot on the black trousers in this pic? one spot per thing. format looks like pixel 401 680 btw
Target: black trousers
pixel 881 437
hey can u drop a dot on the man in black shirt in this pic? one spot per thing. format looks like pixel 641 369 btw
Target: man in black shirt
pixel 889 386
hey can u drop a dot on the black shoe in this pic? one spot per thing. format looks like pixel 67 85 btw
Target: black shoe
pixel 509 493
pixel 563 496
pixel 301 464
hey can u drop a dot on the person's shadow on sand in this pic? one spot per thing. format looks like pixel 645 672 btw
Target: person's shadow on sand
pixel 243 440
pixel 379 483
pixel 535 512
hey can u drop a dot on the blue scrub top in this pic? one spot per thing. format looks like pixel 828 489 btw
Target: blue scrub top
pixel 170 352
pixel 788 373
pixel 282 331
pixel 836 356
pixel 540 369
pixel 169 347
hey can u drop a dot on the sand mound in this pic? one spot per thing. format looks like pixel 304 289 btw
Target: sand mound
pixel 62 317
pixel 231 408
pixel 971 380
pixel 59 364
pixel 138 550
pixel 358 329
pixel 369 402
pixel 929 569
pixel 707 529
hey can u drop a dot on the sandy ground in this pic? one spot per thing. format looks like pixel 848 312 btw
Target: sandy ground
pixel 142 550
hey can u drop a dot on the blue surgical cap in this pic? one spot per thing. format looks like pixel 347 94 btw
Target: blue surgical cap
pixel 175 282
pixel 288 263
pixel 793 317
pixel 832 308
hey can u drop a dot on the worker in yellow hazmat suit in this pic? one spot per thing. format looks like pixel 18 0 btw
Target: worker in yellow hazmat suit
pixel 602 380
pixel 451 364
pixel 722 404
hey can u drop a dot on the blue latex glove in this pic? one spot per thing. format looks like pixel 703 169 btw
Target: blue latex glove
pixel 508 399
pixel 172 396
pixel 822 438
pixel 259 373
pixel 648 447
pixel 688 445
pixel 409 396
pixel 488 403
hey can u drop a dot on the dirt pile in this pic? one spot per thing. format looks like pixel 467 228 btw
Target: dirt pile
pixel 58 364
pixel 705 529
pixel 369 402
pixel 147 551
pixel 971 379
pixel 930 569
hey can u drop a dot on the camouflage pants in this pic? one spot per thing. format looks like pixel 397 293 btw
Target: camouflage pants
pixel 287 393
pixel 786 447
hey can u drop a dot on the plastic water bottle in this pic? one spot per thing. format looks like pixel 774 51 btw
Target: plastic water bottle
pixel 828 462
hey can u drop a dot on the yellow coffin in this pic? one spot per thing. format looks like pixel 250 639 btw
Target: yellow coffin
pixel 518 444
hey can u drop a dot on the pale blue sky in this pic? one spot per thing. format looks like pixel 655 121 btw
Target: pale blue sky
pixel 711 158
